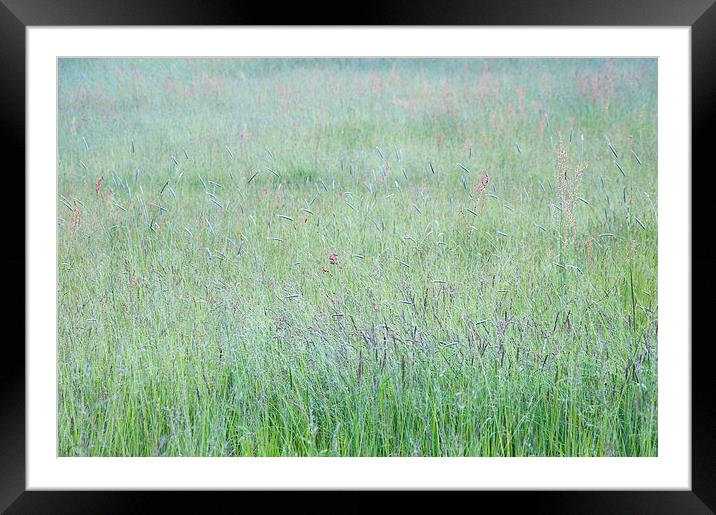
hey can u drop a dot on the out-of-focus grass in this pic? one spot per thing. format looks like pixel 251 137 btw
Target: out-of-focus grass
pixel 199 310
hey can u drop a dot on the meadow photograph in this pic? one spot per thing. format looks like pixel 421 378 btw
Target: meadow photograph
pixel 359 257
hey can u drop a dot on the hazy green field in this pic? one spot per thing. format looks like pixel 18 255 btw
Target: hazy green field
pixel 357 258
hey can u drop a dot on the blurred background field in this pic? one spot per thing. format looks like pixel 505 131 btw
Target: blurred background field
pixel 359 257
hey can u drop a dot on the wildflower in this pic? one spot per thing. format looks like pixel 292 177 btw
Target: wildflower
pixel 325 270
pixel 481 185
pixel 333 258
pixel 97 186
pixel 76 215
pixel 480 188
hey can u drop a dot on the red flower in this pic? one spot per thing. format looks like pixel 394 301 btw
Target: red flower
pixel 333 258
pixel 325 269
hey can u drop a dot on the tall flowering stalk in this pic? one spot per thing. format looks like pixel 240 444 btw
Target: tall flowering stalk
pixel 568 185
pixel 481 188
pixel 477 200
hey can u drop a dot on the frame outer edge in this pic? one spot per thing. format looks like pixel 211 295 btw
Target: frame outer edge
pixel 703 411
pixel 12 368
pixel 12 104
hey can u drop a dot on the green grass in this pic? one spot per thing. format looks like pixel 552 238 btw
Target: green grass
pixel 196 321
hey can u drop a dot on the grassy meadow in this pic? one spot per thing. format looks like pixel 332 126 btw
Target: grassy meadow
pixel 444 257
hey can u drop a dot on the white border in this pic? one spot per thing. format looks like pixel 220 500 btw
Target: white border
pixel 671 470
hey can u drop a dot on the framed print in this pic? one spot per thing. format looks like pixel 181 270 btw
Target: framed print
pixel 424 254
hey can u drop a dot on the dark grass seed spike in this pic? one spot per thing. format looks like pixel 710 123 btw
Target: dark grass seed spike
pixel 620 168
pixel 614 152
pixel 252 177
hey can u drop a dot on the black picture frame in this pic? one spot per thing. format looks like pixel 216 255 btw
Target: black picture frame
pixel 17 15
